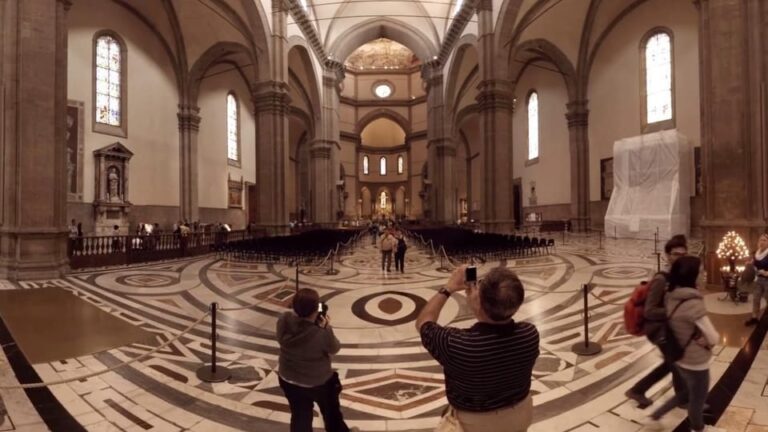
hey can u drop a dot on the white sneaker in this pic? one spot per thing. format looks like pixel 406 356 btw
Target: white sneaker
pixel 652 424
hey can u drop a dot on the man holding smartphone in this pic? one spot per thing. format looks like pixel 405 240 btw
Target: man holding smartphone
pixel 488 367
pixel 306 343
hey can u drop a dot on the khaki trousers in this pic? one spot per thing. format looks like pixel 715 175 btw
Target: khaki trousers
pixel 516 418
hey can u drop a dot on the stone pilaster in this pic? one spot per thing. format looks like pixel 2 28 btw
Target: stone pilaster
pixel 271 105
pixel 733 45
pixel 33 101
pixel 189 125
pixel 578 133
pixel 441 148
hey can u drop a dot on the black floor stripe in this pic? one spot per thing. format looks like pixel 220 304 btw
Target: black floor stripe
pixel 722 393
pixel 55 416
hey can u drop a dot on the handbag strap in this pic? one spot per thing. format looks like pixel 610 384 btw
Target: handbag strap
pixel 694 326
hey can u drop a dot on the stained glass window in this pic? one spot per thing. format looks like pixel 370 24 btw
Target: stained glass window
pixel 232 131
pixel 383 166
pixel 108 91
pixel 304 4
pixel 533 126
pixel 400 164
pixel 383 200
pixel 658 78
pixel 365 165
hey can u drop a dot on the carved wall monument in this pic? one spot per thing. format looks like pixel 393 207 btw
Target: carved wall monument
pixel 111 203
pixel 75 144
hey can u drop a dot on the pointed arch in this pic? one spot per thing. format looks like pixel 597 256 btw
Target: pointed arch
pixel 534 50
pixel 232 53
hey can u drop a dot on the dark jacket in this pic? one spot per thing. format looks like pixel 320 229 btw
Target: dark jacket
pixel 655 312
pixel 401 246
pixel 305 350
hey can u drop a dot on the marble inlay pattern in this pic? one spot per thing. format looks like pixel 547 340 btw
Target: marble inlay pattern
pixel 390 382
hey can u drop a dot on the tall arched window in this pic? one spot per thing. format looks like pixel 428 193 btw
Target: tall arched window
pixel 533 126
pixel 109 84
pixel 658 112
pixel 383 166
pixel 366 169
pixel 233 129
pixel 400 164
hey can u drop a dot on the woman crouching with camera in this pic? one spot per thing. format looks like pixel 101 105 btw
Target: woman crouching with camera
pixel 306 345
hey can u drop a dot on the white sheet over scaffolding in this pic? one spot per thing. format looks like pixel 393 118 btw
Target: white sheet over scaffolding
pixel 651 186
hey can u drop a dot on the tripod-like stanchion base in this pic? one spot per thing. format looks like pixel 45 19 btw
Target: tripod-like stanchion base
pixel 332 272
pixel 589 349
pixel 444 269
pixel 204 373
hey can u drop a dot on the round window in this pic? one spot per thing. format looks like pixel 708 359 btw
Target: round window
pixel 382 90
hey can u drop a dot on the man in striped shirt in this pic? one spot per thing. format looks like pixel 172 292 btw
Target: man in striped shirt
pixel 488 366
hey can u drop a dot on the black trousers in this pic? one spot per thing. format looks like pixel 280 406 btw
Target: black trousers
pixel 400 261
pixel 658 374
pixel 302 399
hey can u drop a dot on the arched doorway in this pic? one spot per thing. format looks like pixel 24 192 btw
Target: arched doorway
pixel 384 207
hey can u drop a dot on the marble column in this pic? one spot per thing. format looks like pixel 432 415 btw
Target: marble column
pixel 324 151
pixel 578 133
pixel 494 100
pixel 33 102
pixel 189 125
pixel 733 45
pixel 441 148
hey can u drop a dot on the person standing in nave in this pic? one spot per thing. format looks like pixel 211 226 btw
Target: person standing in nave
pixel 489 366
pixel 307 342
pixel 388 243
pixel 760 261
pixel 400 252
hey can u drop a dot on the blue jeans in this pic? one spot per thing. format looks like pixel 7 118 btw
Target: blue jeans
pixel 697 388
pixel 761 290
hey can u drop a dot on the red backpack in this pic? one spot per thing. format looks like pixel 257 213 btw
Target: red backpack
pixel 634 309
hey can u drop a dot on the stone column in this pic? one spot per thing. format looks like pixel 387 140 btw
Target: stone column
pixel 578 128
pixel 441 148
pixel 324 151
pixel 270 100
pixel 271 104
pixel 189 125
pixel 33 103
pixel 323 182
pixel 495 103
pixel 733 45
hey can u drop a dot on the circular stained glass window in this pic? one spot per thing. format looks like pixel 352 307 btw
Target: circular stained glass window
pixel 382 90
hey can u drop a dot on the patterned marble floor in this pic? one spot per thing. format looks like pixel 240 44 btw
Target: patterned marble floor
pixel 390 382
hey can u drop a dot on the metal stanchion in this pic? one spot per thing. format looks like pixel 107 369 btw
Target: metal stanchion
pixel 297 275
pixel 214 373
pixel 332 271
pixel 600 237
pixel 587 348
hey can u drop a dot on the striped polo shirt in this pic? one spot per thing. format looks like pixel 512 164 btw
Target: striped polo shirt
pixel 487 366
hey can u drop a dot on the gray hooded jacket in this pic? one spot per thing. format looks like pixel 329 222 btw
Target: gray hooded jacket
pixel 683 323
pixel 305 350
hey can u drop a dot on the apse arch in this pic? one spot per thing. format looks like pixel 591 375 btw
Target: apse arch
pixel 386 113
pixel 310 89
pixel 389 28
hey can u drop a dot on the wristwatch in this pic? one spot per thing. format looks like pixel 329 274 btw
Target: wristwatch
pixel 444 292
